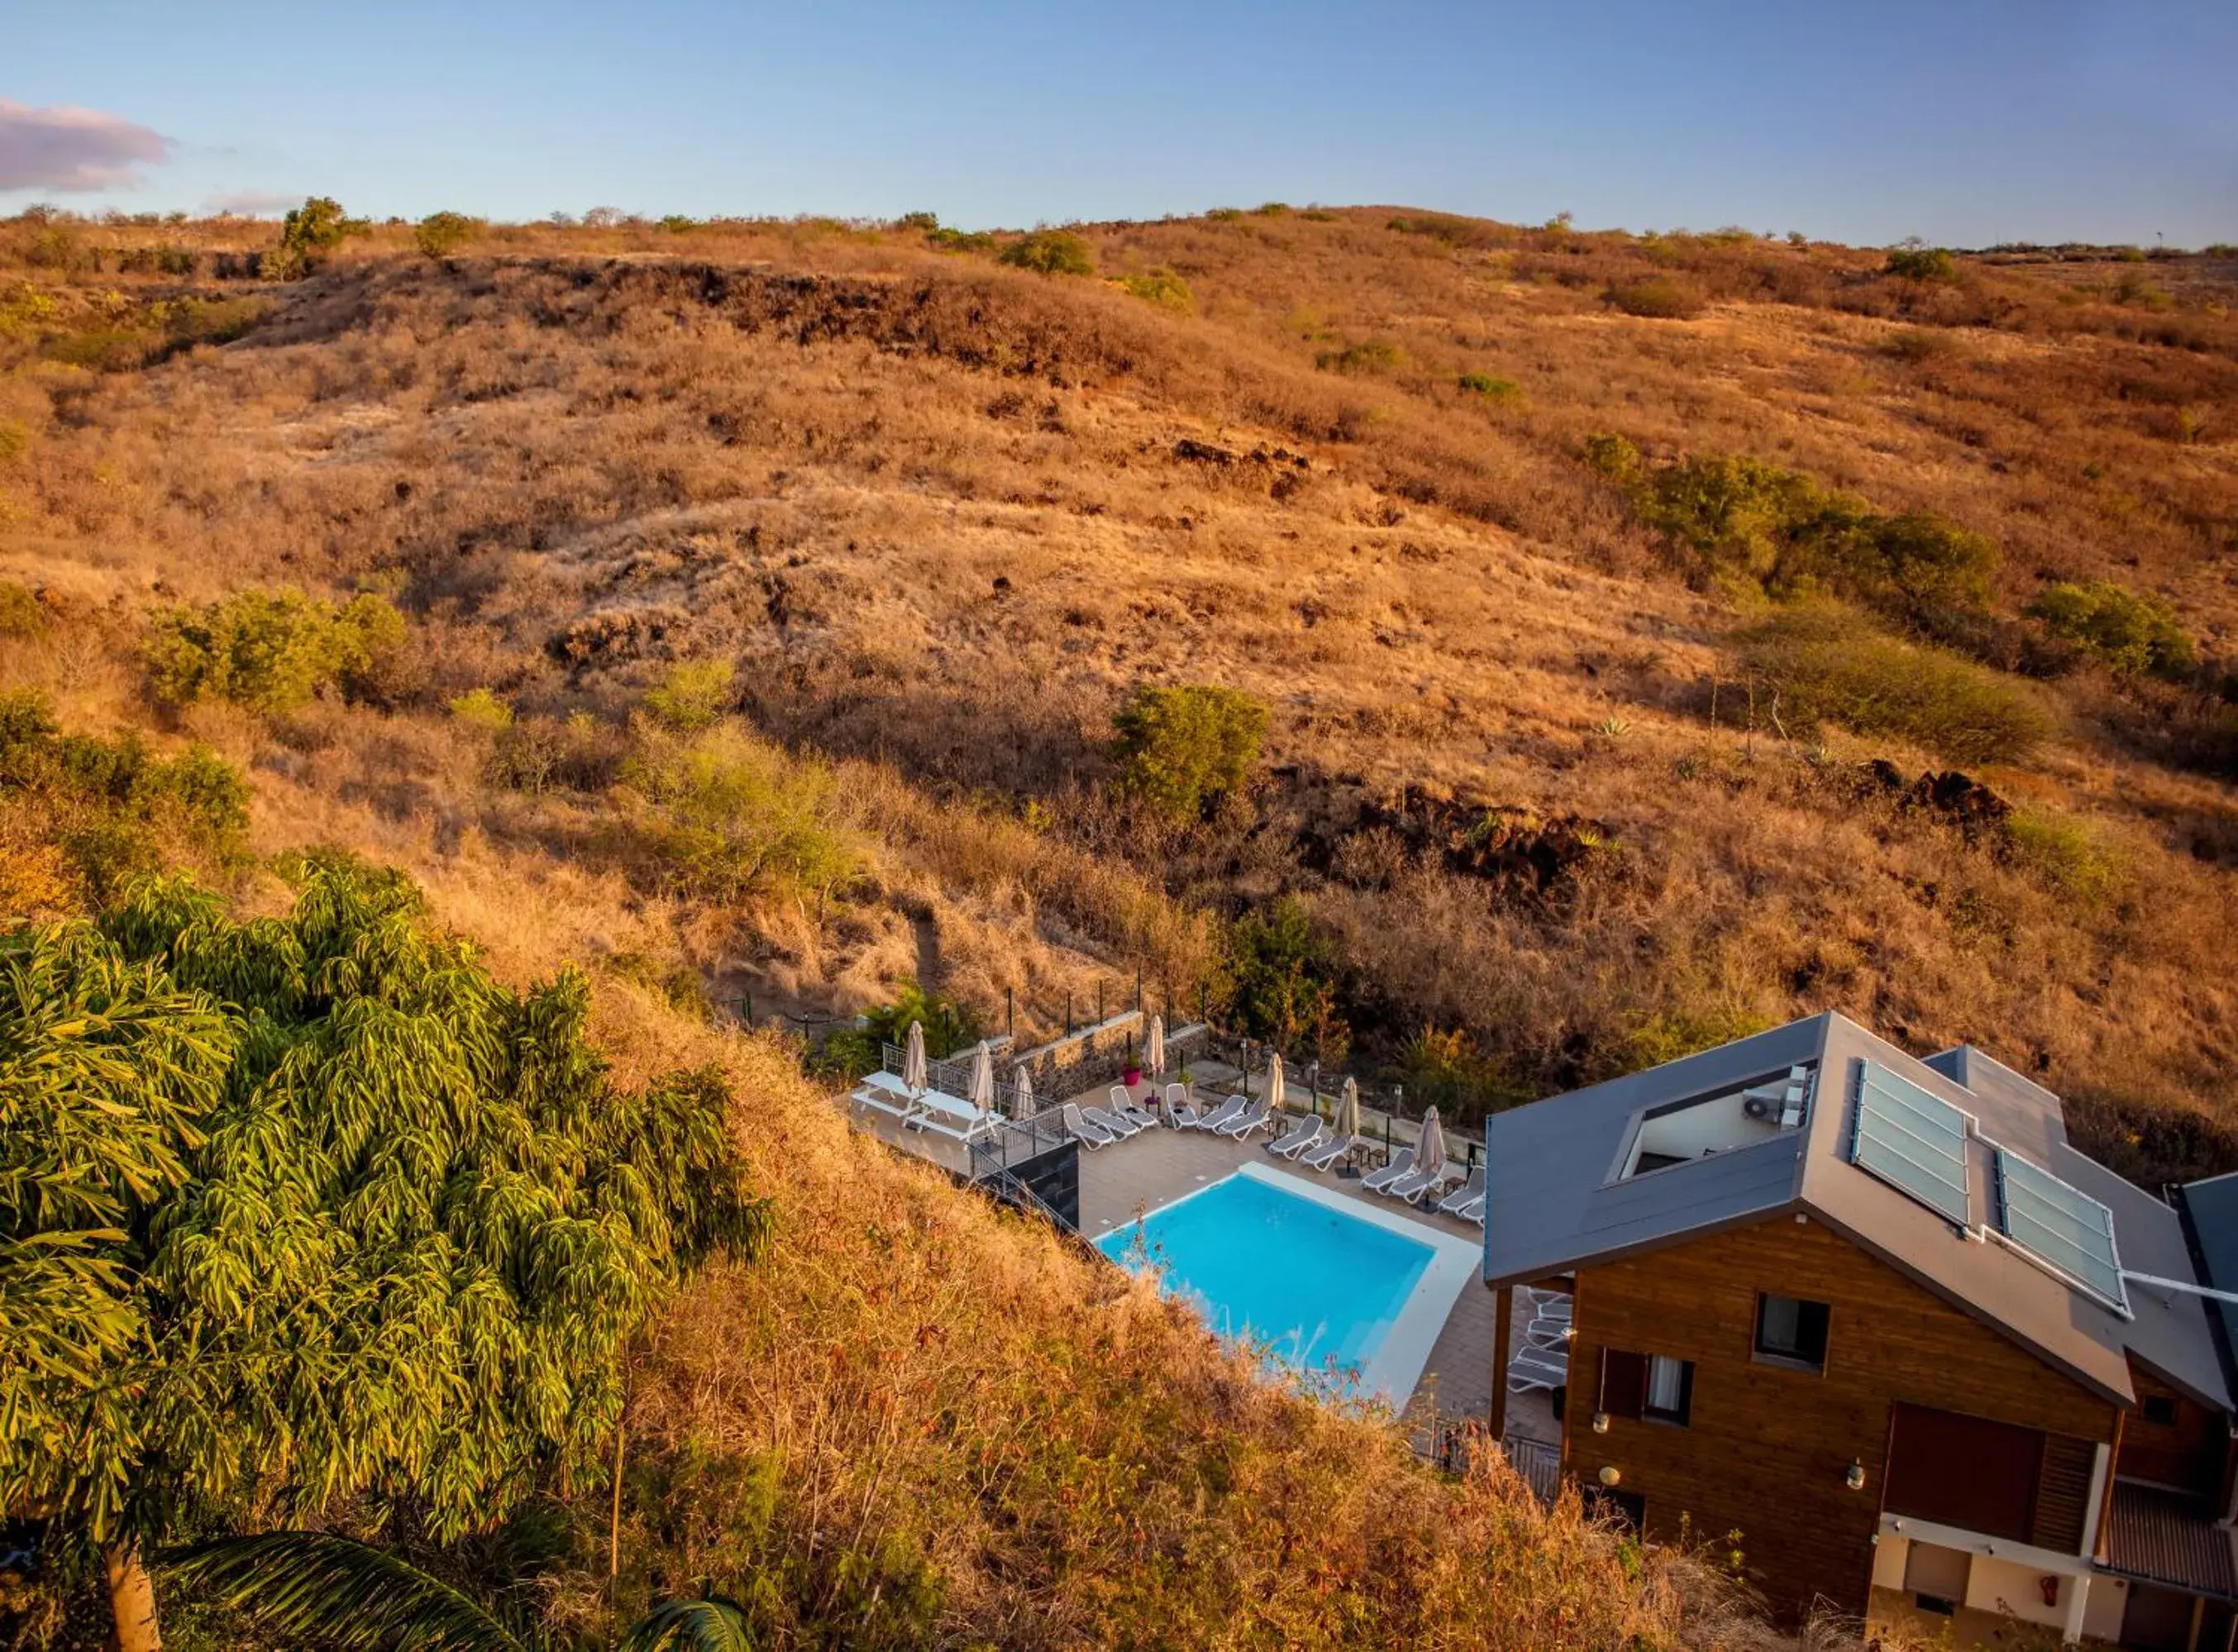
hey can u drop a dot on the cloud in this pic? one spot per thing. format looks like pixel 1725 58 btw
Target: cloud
pixel 248 203
pixel 71 150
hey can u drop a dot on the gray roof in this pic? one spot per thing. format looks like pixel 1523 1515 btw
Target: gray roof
pixel 2211 1213
pixel 1554 1202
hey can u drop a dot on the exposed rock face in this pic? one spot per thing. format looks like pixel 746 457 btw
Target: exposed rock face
pixel 1505 846
pixel 1958 797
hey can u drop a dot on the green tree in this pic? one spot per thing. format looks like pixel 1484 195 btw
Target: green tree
pixel 440 233
pixel 1284 981
pixel 311 232
pixel 2134 633
pixel 311 1209
pixel 1182 748
pixel 334 1592
pixel 734 816
pixel 1920 263
pixel 1050 252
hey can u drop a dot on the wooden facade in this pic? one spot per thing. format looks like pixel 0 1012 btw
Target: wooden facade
pixel 1762 1460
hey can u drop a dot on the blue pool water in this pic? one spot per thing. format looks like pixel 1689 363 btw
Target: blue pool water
pixel 1319 1289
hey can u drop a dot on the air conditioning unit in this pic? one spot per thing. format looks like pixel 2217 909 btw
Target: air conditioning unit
pixel 1764 1109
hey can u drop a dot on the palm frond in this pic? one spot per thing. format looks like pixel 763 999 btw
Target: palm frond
pixel 713 1625
pixel 336 1592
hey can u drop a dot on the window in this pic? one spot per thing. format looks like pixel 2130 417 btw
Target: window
pixel 2160 1409
pixel 1792 1333
pixel 1670 1389
pixel 1649 1385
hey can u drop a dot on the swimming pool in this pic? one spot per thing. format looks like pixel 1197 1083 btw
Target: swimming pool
pixel 1335 1289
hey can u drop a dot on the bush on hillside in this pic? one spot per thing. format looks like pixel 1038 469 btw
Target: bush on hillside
pixel 1736 519
pixel 20 616
pixel 1161 286
pixel 272 651
pixel 1283 982
pixel 691 695
pixel 2076 860
pixel 1050 252
pixel 2133 632
pixel 88 815
pixel 1922 264
pixel 1828 665
pixel 1447 1070
pixel 309 234
pixel 1372 356
pixel 1492 388
pixel 1181 749
pixel 730 817
pixel 1655 298
pixel 440 233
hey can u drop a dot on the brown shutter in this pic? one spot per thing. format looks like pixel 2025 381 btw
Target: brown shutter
pixel 1624 1383
pixel 2063 1496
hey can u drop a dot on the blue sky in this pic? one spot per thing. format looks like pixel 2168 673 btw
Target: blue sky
pixel 1963 120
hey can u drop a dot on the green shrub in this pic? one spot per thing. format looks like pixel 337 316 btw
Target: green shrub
pixel 1161 286
pixel 950 1027
pixel 115 808
pixel 440 233
pixel 1447 1070
pixel 1492 388
pixel 1373 355
pixel 15 441
pixel 1283 977
pixel 677 223
pixel 1050 252
pixel 1733 518
pixel 1226 215
pixel 1828 665
pixel 1653 297
pixel 1181 749
pixel 271 651
pixel 693 694
pixel 1272 209
pixel 309 235
pixel 948 240
pixel 2073 857
pixel 923 224
pixel 2133 632
pixel 1669 1035
pixel 1922 264
pixel 482 711
pixel 20 616
pixel 733 816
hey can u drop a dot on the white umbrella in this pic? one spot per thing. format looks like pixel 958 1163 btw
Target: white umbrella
pixel 1347 1109
pixel 1430 1146
pixel 983 1078
pixel 1023 1082
pixel 1275 1081
pixel 913 1060
pixel 1154 1047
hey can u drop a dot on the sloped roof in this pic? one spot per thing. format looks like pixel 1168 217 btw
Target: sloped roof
pixel 1555 1202
pixel 2165 1537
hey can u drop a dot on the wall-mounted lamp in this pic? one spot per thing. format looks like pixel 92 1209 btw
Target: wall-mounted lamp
pixel 1600 1422
pixel 1609 1475
pixel 1856 1477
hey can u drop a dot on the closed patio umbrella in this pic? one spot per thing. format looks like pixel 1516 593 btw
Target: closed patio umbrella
pixel 1275 1081
pixel 913 1060
pixel 1022 1083
pixel 1347 1109
pixel 1154 1047
pixel 983 1078
pixel 1430 1146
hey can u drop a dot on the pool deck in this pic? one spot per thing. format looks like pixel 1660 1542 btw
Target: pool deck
pixel 1129 1178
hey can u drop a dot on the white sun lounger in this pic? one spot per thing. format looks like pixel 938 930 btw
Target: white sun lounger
pixel 1470 1192
pixel 1327 1151
pixel 1546 1333
pixel 1226 1113
pixel 1398 1169
pixel 1303 1134
pixel 1088 1134
pixel 1422 1185
pixel 1185 1115
pixel 1111 1122
pixel 1253 1117
pixel 1537 1367
pixel 1124 1105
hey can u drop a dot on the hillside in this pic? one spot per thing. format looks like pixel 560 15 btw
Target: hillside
pixel 1537 777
